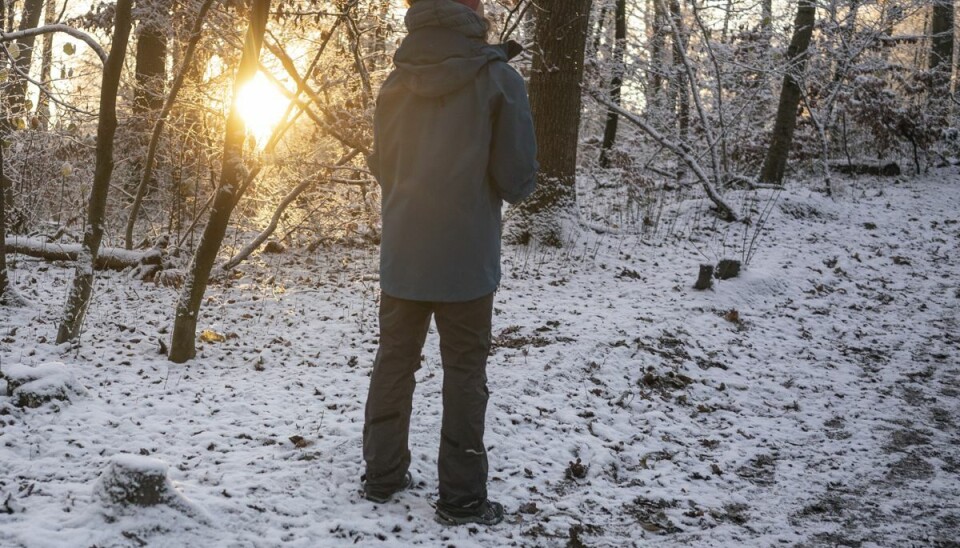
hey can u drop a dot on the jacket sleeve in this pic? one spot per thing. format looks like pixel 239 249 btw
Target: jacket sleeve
pixel 513 149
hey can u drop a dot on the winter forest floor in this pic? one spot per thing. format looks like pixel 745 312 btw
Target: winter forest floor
pixel 813 401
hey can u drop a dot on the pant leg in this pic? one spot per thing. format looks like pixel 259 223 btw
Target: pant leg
pixel 464 346
pixel 386 429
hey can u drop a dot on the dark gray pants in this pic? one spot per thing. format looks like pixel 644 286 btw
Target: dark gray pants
pixel 464 330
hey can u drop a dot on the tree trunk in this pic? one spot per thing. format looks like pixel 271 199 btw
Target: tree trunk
pixel 616 83
pixel 766 19
pixel 46 63
pixel 561 36
pixel 786 121
pixel 151 73
pixel 182 347
pixel 79 297
pixel 158 124
pixel 17 91
pixel 4 279
pixel 657 45
pixel 383 30
pixel 679 80
pixel 941 45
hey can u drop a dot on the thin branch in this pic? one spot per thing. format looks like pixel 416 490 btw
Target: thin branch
pixel 523 6
pixel 291 69
pixel 691 75
pixel 719 91
pixel 277 214
pixel 161 120
pixel 43 89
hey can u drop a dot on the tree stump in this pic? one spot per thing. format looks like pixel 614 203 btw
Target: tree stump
pixel 728 268
pixel 34 386
pixel 133 480
pixel 705 278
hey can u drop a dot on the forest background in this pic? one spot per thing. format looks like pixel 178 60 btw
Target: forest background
pixel 214 128
pixel 188 285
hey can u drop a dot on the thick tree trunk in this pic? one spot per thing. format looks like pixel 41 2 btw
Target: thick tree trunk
pixel 941 45
pixel 79 297
pixel 786 121
pixel 616 82
pixel 182 347
pixel 17 91
pixel 151 73
pixel 561 36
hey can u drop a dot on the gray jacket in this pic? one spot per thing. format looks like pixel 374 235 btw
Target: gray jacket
pixel 453 137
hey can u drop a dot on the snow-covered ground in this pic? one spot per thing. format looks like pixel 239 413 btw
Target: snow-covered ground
pixel 813 401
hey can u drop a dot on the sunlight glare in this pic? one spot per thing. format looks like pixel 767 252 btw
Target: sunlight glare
pixel 261 105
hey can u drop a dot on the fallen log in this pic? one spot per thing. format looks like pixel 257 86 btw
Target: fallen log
pixel 109 258
pixel 888 169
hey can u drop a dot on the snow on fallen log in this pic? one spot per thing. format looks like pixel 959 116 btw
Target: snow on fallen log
pixel 109 258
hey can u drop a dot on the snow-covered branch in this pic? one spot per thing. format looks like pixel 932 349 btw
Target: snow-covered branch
pixel 673 147
pixel 57 27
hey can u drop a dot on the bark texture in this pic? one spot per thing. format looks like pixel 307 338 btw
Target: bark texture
pixel 941 45
pixel 555 100
pixel 785 123
pixel 79 297
pixel 183 344
pixel 151 71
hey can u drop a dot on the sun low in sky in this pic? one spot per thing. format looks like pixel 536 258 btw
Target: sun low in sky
pixel 261 105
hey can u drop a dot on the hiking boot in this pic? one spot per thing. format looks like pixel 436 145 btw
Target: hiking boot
pixel 380 495
pixel 485 513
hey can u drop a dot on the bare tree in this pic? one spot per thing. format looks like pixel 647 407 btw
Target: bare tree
pixel 158 124
pixel 616 82
pixel 46 63
pixel 680 84
pixel 6 290
pixel 79 297
pixel 555 99
pixel 941 43
pixel 151 72
pixel 786 121
pixel 183 344
pixel 656 45
pixel 16 95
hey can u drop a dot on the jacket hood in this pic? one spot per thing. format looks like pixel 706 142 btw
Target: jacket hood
pixel 445 48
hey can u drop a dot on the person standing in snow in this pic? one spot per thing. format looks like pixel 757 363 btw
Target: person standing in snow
pixel 453 139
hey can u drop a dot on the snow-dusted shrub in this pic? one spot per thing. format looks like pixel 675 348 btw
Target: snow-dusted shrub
pixel 889 119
